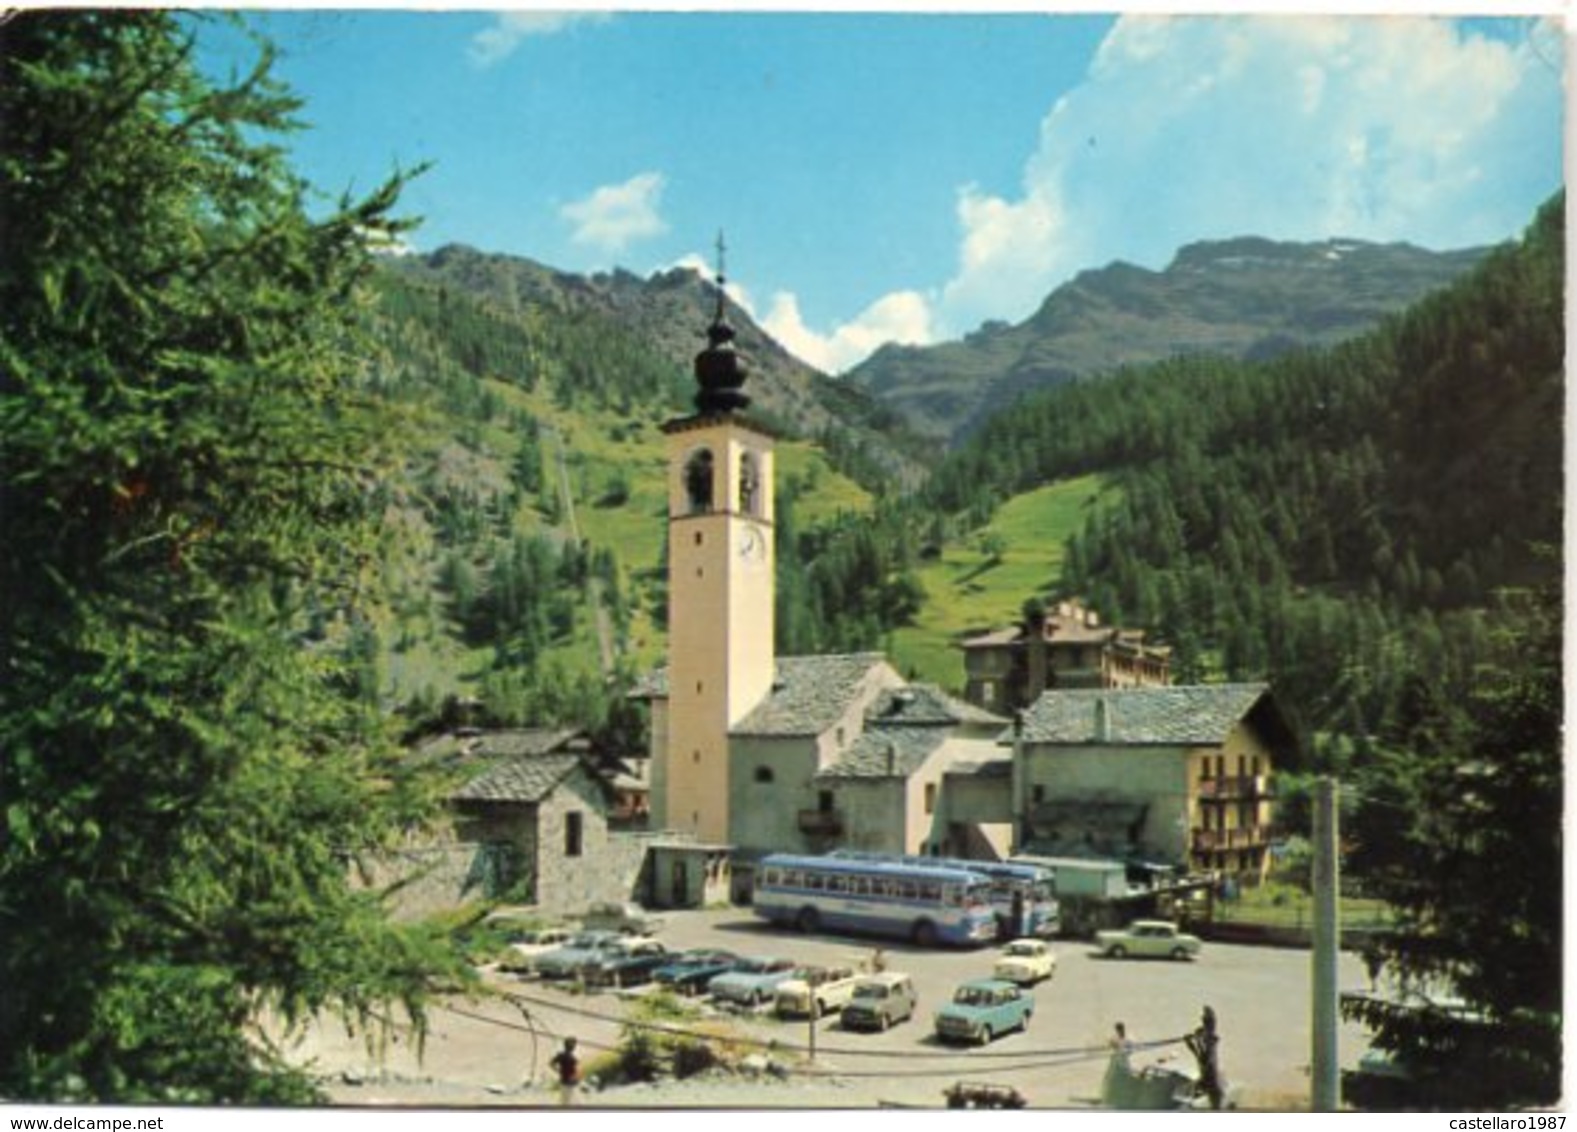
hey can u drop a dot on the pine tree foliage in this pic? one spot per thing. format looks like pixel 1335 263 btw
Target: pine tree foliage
pixel 1461 831
pixel 190 469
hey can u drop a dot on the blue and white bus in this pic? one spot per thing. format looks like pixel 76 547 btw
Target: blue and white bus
pixel 1023 894
pixel 928 903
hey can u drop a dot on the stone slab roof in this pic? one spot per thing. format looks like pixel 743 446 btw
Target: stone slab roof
pixel 1187 715
pixel 809 694
pixel 886 752
pixel 524 741
pixel 925 705
pixel 523 778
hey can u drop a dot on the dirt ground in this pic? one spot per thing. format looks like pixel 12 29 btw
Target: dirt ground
pixel 492 1052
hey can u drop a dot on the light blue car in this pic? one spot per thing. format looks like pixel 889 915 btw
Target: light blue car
pixel 753 981
pixel 983 1009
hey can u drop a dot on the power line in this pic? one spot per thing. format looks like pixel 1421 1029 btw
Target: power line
pixel 1017 1061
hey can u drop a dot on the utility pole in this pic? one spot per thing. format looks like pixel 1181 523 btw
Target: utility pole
pixel 1325 1086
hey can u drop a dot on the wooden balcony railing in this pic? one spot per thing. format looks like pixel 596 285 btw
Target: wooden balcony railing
pixel 1235 788
pixel 1215 840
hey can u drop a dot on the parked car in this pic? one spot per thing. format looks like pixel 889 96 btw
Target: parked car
pixel 628 963
pixel 690 971
pixel 581 949
pixel 1157 939
pixel 753 982
pixel 814 990
pixel 621 916
pixel 1026 962
pixel 525 947
pixel 984 1008
pixel 880 1001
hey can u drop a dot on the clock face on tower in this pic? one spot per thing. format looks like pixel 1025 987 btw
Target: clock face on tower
pixel 752 547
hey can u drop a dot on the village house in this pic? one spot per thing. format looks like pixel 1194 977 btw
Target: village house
pixel 1179 775
pixel 1065 646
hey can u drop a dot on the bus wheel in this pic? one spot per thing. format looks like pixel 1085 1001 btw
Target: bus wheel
pixel 925 933
pixel 808 920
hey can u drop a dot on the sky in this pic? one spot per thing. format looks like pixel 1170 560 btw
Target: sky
pixel 904 176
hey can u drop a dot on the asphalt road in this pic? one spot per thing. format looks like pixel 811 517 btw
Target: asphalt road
pixel 495 1051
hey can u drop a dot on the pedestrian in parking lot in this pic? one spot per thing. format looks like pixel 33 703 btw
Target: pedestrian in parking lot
pixel 1115 1086
pixel 567 1066
pixel 1205 1044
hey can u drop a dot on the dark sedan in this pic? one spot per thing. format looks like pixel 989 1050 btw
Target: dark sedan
pixel 690 971
pixel 628 963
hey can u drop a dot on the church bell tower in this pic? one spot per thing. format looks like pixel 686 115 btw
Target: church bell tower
pixel 720 585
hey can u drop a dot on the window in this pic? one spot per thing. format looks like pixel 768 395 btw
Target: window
pixel 574 833
pixel 764 774
pixel 1037 794
pixel 698 482
pixel 930 797
pixel 824 801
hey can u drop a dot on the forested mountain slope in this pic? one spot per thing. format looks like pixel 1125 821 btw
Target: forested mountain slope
pixel 1338 520
pixel 668 314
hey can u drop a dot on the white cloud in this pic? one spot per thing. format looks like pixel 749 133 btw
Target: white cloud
pixel 510 29
pixel 1295 128
pixel 903 316
pixel 615 216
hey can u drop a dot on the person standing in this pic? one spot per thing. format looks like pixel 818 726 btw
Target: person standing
pixel 1120 1085
pixel 567 1066
pixel 1205 1044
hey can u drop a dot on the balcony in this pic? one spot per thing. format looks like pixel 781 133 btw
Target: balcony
pixel 1217 840
pixel 822 823
pixel 1235 788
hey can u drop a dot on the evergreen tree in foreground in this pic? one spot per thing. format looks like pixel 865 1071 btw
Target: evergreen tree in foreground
pixel 187 467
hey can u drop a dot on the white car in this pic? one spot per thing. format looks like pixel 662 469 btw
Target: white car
pixel 814 991
pixel 1153 939
pixel 520 956
pixel 1026 962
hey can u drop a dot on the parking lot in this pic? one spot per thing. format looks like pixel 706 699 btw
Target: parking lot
pixel 495 1051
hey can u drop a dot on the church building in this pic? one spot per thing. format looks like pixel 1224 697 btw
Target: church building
pixel 757 752
pixel 752 753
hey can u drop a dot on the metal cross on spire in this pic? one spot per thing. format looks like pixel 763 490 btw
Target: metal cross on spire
pixel 722 278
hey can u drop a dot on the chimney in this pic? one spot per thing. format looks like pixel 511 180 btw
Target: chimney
pixel 1103 720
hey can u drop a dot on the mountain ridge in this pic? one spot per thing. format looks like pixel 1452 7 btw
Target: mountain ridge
pixel 1247 297
pixel 670 310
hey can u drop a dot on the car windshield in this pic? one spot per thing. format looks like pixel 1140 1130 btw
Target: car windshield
pixel 761 966
pixel 870 991
pixel 972 996
pixel 1022 949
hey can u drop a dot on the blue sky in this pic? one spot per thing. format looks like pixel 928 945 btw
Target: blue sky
pixel 904 176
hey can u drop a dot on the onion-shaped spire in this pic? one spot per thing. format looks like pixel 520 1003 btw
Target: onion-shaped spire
pixel 720 370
